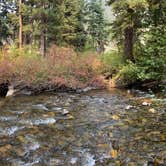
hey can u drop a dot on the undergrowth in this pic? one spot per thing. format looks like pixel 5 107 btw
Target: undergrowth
pixel 60 67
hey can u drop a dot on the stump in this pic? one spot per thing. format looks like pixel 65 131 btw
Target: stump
pixel 4 87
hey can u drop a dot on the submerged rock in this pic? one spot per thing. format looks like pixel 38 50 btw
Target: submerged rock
pixel 5 149
pixel 85 89
pixel 94 130
pixel 152 110
pixel 41 107
pixel 73 160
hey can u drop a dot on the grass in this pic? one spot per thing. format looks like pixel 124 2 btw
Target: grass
pixel 112 62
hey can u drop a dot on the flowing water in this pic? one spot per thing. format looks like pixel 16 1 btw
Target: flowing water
pixel 98 128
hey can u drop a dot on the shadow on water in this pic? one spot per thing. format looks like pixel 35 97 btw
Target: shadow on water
pixel 97 128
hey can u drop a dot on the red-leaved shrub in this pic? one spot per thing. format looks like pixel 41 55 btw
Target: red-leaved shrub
pixel 61 67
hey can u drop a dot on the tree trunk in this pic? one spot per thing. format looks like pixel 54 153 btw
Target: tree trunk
pixel 128 43
pixel 42 43
pixel 43 34
pixel 20 25
pixel 31 37
pixel 24 40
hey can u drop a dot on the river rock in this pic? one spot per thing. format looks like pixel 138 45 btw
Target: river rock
pixel 152 110
pixel 41 107
pixel 69 100
pixel 46 121
pixel 20 152
pixel 67 104
pixel 11 91
pixel 4 150
pixel 128 107
pixel 146 103
pixel 73 160
pixel 85 89
pixel 115 117
pixel 65 112
pixel 57 109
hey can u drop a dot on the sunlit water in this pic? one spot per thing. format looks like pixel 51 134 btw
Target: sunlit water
pixel 97 128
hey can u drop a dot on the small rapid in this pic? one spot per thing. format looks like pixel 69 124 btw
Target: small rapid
pixel 97 128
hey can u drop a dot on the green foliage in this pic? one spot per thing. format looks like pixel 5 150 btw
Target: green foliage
pixel 148 19
pixel 112 62
pixel 128 74
pixel 153 54
pixel 96 24
pixel 27 51
pixel 81 37
pixel 5 29
pixel 128 13
pixel 48 22
pixel 139 29
pixel 65 21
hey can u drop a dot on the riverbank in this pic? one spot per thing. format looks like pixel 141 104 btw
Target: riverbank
pixel 62 69
pixel 7 89
pixel 36 90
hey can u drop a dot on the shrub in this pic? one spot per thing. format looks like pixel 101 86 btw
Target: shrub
pixel 112 62
pixel 128 74
pixel 77 70
pixel 144 70
pixel 60 67
pixel 153 54
pixel 6 69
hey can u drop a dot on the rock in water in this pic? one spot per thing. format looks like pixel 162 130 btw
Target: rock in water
pixel 4 87
pixel 65 112
pixel 152 110
pixel 146 103
pixel 128 107
pixel 10 91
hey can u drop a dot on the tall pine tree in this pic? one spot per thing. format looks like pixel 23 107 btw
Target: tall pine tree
pixel 96 24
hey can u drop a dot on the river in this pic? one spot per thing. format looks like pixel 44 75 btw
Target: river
pixel 97 128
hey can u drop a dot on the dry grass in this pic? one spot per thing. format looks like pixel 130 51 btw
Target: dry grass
pixel 61 67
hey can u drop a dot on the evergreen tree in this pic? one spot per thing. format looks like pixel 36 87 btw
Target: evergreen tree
pixel 5 29
pixel 142 22
pixel 129 16
pixel 45 22
pixel 153 59
pixel 97 27
pixel 81 34
pixel 66 23
pixel 20 24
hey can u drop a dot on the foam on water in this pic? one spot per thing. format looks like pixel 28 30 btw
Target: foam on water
pixel 46 121
pixel 88 160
